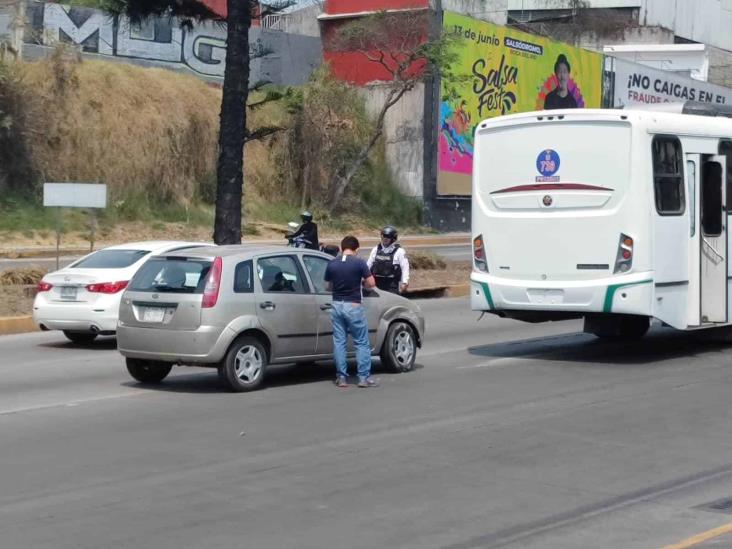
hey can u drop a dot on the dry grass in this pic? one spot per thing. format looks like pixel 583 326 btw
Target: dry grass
pixel 24 276
pixel 419 260
pixel 140 130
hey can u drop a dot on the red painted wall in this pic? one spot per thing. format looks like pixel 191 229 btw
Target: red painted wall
pixel 333 7
pixel 217 6
pixel 354 67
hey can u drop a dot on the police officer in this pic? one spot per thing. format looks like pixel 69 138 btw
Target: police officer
pixel 308 231
pixel 388 263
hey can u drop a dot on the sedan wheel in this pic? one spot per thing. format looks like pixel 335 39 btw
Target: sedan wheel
pixel 400 348
pixel 245 364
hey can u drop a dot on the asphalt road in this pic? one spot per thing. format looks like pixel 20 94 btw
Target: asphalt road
pixel 450 252
pixel 506 435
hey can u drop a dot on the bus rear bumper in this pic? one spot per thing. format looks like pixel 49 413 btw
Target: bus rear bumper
pixel 624 294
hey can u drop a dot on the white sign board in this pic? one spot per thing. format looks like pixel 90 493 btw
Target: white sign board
pixel 75 195
pixel 640 85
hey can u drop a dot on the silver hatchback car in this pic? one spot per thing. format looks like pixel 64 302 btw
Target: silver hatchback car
pixel 241 308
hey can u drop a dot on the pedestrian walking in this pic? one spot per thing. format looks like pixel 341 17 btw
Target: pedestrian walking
pixel 389 264
pixel 345 276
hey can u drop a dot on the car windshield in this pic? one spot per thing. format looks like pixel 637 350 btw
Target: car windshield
pixel 110 259
pixel 171 275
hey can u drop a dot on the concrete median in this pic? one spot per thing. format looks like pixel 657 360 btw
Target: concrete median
pixel 17 325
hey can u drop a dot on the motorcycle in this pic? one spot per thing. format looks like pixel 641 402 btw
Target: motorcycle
pixel 302 242
pixel 296 241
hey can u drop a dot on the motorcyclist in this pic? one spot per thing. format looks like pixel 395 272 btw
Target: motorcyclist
pixel 308 231
pixel 388 263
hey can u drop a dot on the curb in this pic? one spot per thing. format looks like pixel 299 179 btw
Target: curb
pixel 17 325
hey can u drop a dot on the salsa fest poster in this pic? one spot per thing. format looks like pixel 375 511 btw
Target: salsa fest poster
pixel 503 71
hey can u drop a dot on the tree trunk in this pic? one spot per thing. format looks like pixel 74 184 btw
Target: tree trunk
pixel 230 172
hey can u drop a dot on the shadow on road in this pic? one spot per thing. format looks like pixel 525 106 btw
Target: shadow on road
pixel 659 345
pixel 207 381
pixel 99 344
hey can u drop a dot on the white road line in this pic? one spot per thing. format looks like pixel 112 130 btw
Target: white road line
pixel 70 403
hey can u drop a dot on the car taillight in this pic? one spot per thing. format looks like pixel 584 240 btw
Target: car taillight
pixel 107 287
pixel 479 254
pixel 44 286
pixel 624 259
pixel 213 283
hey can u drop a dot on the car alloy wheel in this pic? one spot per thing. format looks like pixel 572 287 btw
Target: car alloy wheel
pixel 245 365
pixel 400 348
pixel 248 364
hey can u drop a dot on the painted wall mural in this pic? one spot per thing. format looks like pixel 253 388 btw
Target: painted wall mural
pixel 503 71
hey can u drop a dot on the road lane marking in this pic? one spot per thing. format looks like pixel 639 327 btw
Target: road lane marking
pixel 702 537
pixel 68 404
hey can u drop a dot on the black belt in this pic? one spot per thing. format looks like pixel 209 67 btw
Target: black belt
pixel 345 299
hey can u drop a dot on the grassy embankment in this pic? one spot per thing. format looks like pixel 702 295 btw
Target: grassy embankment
pixel 151 136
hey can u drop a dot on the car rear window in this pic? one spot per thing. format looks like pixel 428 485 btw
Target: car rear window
pixel 110 259
pixel 171 275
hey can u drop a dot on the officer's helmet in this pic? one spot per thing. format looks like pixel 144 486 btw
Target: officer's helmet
pixel 390 233
pixel 306 216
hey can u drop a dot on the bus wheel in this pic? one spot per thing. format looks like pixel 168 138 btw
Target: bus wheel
pixel 617 326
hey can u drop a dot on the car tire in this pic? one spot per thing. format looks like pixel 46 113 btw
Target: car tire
pixel 80 337
pixel 148 371
pixel 245 365
pixel 399 350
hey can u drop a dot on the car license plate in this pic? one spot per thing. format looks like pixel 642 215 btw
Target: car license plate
pixel 153 314
pixel 68 292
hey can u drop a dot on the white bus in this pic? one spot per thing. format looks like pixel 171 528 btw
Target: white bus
pixel 617 216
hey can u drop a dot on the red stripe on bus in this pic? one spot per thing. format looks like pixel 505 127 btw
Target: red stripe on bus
pixel 552 187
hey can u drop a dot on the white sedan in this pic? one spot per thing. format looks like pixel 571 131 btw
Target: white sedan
pixel 83 298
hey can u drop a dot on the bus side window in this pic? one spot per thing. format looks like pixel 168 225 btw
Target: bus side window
pixel 711 199
pixel 668 175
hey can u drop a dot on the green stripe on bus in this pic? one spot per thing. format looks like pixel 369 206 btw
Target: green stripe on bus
pixel 487 293
pixel 610 293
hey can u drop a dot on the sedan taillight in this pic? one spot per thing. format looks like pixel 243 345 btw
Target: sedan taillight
pixel 107 287
pixel 44 286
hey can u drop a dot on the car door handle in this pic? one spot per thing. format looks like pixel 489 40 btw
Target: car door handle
pixel 268 305
pixel 326 306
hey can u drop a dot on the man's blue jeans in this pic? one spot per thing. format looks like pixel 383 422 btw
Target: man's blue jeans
pixel 350 318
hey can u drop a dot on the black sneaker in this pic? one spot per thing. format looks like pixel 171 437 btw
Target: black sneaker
pixel 368 382
pixel 341 381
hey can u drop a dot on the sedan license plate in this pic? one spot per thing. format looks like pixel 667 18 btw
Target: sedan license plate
pixel 68 292
pixel 153 314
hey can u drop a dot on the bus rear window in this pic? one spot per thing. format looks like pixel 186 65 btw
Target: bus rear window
pixel 668 175
pixel 175 275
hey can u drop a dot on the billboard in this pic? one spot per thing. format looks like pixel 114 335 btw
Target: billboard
pixel 640 85
pixel 504 71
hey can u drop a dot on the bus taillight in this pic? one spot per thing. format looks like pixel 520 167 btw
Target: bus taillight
pixel 624 259
pixel 479 254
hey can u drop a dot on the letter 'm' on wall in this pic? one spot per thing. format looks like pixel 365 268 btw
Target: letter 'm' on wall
pixel 91 29
pixel 156 39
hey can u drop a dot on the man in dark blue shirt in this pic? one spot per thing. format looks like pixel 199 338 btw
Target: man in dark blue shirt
pixel 344 276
